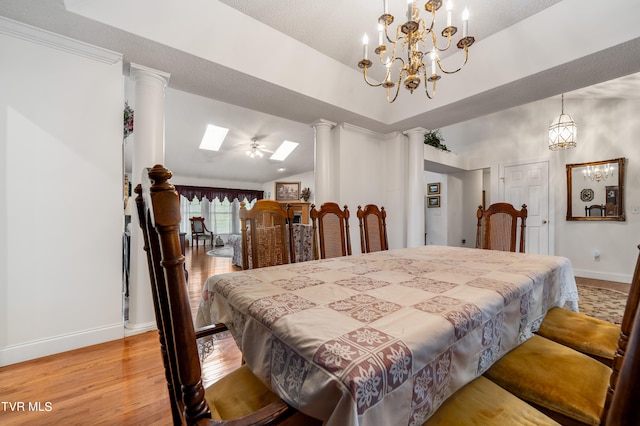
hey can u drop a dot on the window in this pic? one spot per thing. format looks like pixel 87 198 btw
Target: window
pixel 220 217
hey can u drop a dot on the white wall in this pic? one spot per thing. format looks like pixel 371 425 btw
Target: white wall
pixel 62 217
pixel 469 198
pixel 306 180
pixel 216 183
pixel 395 188
pixel 436 217
pixel 607 129
pixel 361 158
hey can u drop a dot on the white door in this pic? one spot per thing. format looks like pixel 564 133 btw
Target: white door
pixel 529 184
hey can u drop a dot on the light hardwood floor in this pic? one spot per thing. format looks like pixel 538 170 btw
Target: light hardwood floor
pixel 114 383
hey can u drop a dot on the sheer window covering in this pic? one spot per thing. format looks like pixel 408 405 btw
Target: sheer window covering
pixel 220 211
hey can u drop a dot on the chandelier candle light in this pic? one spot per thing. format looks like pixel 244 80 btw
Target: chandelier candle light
pixel 410 38
pixel 596 174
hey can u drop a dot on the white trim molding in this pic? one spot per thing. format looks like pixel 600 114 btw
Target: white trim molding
pixel 57 344
pixel 56 41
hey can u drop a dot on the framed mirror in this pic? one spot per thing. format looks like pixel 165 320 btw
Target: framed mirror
pixel 595 191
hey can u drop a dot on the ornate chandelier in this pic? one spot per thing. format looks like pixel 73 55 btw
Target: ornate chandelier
pixel 409 40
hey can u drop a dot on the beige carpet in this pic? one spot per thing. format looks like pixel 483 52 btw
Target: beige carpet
pixel 602 299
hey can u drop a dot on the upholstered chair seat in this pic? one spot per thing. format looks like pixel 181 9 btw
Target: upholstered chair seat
pixel 483 403
pixel 584 333
pixel 591 336
pixel 240 393
pixel 567 385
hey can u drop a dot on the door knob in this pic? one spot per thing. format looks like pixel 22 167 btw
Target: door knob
pixel 544 221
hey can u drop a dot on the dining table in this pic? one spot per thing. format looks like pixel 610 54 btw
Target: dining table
pixel 384 338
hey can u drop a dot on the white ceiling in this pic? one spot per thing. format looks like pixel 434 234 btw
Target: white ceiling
pixel 270 68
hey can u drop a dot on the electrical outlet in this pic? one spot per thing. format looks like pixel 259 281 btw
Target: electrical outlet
pixel 596 255
pixel 464 241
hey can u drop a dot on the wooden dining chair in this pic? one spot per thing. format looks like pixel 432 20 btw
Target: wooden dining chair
pixel 482 402
pixel 597 210
pixel 267 234
pixel 240 395
pixel 589 335
pixel 498 227
pixel 567 385
pixel 623 407
pixel 199 231
pixel 373 228
pixel 330 231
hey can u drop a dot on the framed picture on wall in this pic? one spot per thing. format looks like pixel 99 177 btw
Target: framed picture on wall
pixel 433 188
pixel 287 191
pixel 433 201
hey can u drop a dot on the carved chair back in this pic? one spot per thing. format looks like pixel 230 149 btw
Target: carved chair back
pixel 498 227
pixel 267 230
pixel 331 231
pixel 373 228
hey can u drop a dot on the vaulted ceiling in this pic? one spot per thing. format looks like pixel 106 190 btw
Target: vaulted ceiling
pixel 270 68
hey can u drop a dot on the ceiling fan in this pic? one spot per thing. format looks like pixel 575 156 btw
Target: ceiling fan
pixel 256 150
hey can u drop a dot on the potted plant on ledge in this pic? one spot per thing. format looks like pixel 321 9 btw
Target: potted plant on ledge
pixel 435 139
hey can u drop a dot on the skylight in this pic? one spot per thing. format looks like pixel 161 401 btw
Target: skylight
pixel 284 150
pixel 213 137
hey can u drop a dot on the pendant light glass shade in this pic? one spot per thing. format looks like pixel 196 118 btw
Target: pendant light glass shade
pixel 563 132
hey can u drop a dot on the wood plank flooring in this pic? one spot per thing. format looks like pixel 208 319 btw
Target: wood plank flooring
pixel 114 383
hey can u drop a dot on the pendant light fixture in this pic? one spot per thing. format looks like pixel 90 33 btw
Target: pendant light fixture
pixel 562 131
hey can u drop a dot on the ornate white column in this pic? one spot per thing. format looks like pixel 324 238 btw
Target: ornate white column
pixel 323 162
pixel 148 150
pixel 415 187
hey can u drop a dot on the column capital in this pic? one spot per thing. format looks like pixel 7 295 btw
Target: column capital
pixel 140 71
pixel 323 123
pixel 415 131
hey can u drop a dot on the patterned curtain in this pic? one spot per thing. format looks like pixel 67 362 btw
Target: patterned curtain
pixel 199 192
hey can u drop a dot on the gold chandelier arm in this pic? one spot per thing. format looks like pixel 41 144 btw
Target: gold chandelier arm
pixel 433 21
pixel 425 31
pixel 398 37
pixel 466 57
pixel 402 62
pixel 387 20
pixel 435 42
pixel 366 80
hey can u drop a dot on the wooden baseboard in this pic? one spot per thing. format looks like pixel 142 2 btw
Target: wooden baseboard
pixel 38 348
